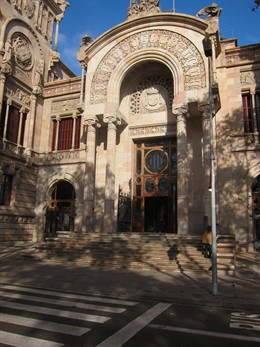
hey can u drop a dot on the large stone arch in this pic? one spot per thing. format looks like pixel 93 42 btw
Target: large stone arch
pixel 171 44
pixel 154 55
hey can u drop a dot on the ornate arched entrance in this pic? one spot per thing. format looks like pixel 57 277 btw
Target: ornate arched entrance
pixel 60 213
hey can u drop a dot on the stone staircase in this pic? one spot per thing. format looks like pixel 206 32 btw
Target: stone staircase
pixel 146 251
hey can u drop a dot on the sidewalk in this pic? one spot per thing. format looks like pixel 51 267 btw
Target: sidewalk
pixel 241 291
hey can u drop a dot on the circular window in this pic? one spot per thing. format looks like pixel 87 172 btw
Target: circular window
pixel 156 161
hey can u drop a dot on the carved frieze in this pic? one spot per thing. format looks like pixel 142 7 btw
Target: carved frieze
pixel 62 89
pixel 64 105
pixel 242 57
pixel 175 44
pixel 248 78
pixel 153 129
pixel 60 156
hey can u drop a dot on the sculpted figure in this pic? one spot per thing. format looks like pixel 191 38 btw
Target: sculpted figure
pixel 8 52
pixel 210 11
pixel 143 6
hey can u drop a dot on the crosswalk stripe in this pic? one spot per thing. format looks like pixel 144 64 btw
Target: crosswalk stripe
pixel 131 329
pixel 62 302
pixel 205 333
pixel 43 325
pixel 70 296
pixel 11 339
pixel 55 312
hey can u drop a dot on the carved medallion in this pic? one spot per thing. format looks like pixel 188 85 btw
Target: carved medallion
pixel 152 99
pixel 29 8
pixel 22 51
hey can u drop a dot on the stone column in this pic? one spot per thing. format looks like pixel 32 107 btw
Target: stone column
pixel 89 179
pixel 109 218
pixel 81 98
pixel 9 103
pixel 22 111
pixel 30 134
pixel 58 20
pixel 57 133
pixel 181 112
pixel 204 108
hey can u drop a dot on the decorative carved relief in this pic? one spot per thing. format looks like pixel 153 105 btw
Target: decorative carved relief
pixel 177 45
pixel 151 130
pixel 29 8
pixel 23 51
pixel 250 77
pixel 153 94
pixel 143 6
pixel 19 95
pixel 64 105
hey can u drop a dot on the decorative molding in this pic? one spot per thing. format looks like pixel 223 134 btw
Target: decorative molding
pixel 153 129
pixel 180 47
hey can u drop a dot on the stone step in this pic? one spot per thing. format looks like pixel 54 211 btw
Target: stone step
pixel 166 252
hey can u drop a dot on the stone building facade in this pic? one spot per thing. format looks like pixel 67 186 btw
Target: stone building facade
pixel 125 147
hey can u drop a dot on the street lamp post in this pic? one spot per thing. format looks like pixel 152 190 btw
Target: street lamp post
pixel 208 52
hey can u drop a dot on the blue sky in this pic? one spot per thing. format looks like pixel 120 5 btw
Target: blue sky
pixel 94 17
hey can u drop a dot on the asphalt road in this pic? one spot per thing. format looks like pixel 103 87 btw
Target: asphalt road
pixel 37 317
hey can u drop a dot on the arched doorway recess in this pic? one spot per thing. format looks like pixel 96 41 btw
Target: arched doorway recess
pixel 60 213
pixel 146 98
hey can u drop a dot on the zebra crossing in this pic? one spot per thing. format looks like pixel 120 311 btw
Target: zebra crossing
pixel 36 317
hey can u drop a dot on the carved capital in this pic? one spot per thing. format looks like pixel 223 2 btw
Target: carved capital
pixel 112 118
pixel 92 122
pixel 180 110
pixel 204 108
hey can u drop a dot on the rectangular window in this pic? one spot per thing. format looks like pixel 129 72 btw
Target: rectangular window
pixel 13 124
pixel 5 189
pixel 247 113
pixel 65 132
